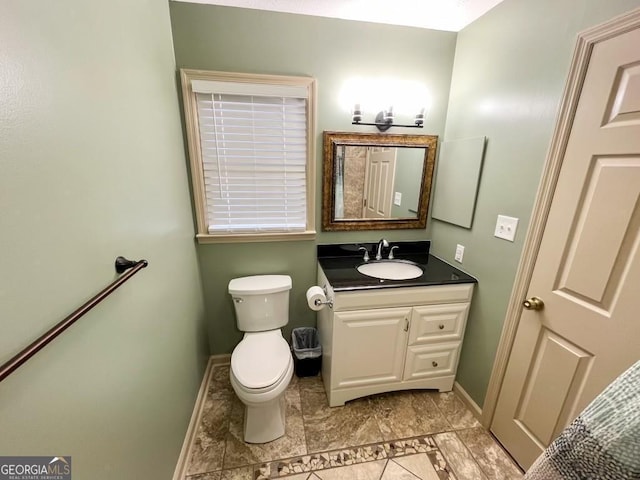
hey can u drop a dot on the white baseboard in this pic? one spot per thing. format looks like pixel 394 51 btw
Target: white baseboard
pixel 468 401
pixel 222 359
pixel 196 415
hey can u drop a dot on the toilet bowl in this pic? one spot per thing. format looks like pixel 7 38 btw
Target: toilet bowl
pixel 261 364
pixel 261 369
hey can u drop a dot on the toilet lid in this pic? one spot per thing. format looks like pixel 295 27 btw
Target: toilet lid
pixel 260 360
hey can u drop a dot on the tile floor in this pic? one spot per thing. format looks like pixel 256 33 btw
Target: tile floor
pixel 401 435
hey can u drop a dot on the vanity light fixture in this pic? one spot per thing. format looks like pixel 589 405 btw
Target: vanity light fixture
pixel 384 119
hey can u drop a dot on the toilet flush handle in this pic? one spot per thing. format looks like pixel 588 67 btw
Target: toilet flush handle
pixel 238 299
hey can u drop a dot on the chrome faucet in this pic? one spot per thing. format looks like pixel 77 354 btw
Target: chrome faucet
pixel 381 244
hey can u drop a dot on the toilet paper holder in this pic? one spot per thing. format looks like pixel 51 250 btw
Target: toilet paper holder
pixel 329 301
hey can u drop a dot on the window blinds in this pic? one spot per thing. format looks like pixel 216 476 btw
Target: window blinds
pixel 254 153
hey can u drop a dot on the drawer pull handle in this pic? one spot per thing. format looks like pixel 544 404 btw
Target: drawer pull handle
pixel 406 324
pixel 435 364
pixel 441 326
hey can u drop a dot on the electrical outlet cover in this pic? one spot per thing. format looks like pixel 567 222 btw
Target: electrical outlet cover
pixel 397 199
pixel 459 253
pixel 506 227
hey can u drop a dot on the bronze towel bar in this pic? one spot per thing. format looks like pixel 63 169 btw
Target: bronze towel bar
pixel 121 264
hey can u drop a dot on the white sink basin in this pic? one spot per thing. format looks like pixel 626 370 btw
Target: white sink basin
pixel 390 270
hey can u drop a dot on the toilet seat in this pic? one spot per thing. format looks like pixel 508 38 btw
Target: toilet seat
pixel 260 360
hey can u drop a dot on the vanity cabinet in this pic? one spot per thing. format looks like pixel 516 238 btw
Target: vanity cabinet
pixel 379 340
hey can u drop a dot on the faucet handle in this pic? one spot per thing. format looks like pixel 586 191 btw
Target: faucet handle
pixel 391 257
pixel 366 253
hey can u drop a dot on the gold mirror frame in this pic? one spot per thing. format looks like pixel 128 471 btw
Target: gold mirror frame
pixel 331 140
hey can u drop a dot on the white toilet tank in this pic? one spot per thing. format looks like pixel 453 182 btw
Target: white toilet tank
pixel 261 302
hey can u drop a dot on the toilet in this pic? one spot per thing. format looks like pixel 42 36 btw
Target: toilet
pixel 261 364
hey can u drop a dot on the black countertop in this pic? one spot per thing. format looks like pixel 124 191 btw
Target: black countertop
pixel 339 262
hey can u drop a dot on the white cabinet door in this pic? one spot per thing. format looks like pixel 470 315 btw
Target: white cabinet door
pixel 369 346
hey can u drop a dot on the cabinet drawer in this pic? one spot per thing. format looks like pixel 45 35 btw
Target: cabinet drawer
pixel 425 361
pixel 438 323
pixel 407 296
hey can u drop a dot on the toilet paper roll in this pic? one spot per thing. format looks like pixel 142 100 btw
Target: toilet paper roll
pixel 316 298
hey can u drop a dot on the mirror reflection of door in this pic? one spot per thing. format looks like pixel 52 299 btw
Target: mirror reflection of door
pixel 380 168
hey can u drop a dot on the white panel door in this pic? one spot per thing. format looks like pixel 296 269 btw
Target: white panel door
pixel 588 267
pixel 380 176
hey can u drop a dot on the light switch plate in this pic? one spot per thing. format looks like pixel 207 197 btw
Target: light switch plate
pixel 397 200
pixel 506 227
pixel 459 253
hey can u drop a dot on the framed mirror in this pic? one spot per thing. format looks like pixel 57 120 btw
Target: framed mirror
pixel 374 181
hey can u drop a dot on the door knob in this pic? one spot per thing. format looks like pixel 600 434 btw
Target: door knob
pixel 533 303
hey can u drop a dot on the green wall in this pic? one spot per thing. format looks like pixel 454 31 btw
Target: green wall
pixel 92 166
pixel 233 39
pixel 409 165
pixel 509 73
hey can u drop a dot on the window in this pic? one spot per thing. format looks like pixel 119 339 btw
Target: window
pixel 251 144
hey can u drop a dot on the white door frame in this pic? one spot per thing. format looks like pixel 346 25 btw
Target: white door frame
pixel 579 64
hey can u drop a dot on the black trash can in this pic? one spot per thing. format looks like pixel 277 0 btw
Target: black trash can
pixel 307 351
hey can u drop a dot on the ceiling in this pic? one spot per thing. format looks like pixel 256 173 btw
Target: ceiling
pixel 452 15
